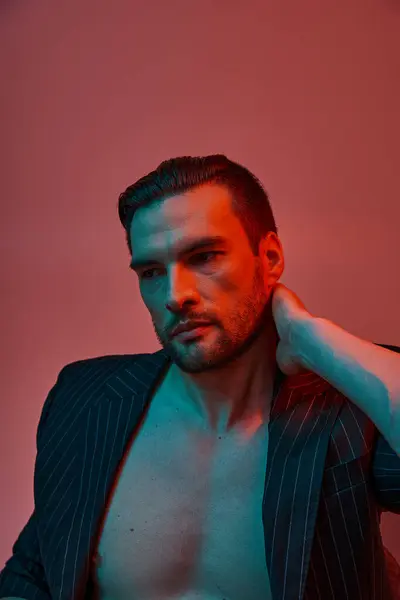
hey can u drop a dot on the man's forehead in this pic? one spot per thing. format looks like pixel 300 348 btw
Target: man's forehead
pixel 188 215
pixel 198 218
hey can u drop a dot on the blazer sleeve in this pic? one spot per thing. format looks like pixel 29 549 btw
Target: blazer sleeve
pixel 23 574
pixel 386 476
pixel 386 468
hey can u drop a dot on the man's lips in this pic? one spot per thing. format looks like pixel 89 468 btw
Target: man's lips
pixel 193 332
pixel 188 327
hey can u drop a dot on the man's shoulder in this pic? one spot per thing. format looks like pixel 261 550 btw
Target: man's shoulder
pixel 83 383
pixel 111 375
pixel 312 388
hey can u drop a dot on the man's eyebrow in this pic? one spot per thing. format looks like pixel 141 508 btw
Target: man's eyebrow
pixel 204 242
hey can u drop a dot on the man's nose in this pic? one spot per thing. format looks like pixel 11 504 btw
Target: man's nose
pixel 181 288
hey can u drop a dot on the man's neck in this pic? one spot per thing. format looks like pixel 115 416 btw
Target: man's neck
pixel 237 396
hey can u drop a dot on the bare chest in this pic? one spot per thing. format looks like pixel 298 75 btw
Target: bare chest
pixel 185 518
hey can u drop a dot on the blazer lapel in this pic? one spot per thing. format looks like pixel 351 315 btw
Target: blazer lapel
pixel 108 415
pixel 127 398
pixel 301 420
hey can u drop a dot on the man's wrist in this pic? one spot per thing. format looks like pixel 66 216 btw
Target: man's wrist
pixel 304 341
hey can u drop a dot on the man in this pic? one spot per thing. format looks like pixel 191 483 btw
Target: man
pixel 249 459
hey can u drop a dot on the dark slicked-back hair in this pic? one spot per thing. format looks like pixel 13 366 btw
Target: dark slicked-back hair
pixel 177 175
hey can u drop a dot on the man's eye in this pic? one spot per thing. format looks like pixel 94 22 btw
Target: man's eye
pixel 211 252
pixel 200 255
pixel 146 274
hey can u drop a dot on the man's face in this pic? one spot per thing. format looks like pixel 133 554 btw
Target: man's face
pixel 222 282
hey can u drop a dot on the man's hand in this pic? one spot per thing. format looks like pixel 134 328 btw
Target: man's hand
pixel 365 373
pixel 289 312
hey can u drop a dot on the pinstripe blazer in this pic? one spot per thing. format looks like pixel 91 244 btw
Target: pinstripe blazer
pixel 329 474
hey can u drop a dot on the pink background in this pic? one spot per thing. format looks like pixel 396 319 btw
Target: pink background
pixel 306 94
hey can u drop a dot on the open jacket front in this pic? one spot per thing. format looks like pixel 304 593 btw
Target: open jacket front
pixel 329 475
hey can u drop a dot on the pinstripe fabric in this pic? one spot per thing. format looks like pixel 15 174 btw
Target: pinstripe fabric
pixel 328 476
